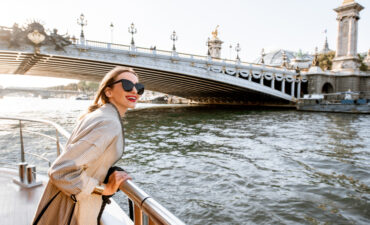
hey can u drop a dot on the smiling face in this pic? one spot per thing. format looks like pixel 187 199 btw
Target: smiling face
pixel 121 98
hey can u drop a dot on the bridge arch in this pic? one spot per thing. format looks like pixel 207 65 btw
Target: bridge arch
pixel 184 75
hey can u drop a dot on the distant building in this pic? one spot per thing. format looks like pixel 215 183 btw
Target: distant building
pixel 293 59
pixel 345 74
pixel 325 48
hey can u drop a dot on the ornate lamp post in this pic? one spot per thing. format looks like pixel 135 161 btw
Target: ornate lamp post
pixel 230 50
pixel 207 44
pixel 237 49
pixel 132 30
pixel 285 60
pixel 315 61
pixel 82 22
pixel 174 38
pixel 111 32
pixel 263 56
pixel 36 37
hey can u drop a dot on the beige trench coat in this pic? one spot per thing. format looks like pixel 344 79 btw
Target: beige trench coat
pixel 95 144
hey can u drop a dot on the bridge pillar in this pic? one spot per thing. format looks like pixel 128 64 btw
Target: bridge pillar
pixel 346 58
pixel 261 79
pixel 250 76
pixel 293 87
pixel 299 89
pixel 283 85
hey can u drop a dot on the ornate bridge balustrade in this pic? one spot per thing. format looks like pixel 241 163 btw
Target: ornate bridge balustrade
pixel 199 78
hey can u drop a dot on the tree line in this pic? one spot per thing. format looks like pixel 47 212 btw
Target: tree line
pixel 84 86
pixel 326 61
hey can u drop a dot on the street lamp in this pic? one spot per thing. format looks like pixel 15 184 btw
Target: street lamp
pixel 237 49
pixel 285 60
pixel 132 30
pixel 111 32
pixel 36 37
pixel 230 50
pixel 174 38
pixel 82 22
pixel 315 61
pixel 208 47
pixel 263 56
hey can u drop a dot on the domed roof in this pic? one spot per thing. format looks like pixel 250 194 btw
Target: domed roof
pixel 275 58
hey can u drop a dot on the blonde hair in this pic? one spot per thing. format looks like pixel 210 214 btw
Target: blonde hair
pixel 100 97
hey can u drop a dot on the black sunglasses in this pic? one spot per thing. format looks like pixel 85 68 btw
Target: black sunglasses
pixel 128 86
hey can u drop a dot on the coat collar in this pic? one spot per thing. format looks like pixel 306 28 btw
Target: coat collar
pixel 111 109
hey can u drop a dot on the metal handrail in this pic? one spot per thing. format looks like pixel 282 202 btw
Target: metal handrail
pixel 156 213
pixel 45 135
pixel 58 130
pixel 144 203
pixel 39 156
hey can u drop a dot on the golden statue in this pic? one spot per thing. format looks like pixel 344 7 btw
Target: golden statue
pixel 215 33
pixel 347 1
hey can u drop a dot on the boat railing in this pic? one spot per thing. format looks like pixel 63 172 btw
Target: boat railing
pixel 143 204
pixel 58 131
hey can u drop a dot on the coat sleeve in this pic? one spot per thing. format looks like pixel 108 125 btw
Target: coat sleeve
pixel 68 171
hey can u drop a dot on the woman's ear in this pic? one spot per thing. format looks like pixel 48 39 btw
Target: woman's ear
pixel 108 92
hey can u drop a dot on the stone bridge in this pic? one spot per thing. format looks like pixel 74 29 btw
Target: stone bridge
pixel 199 78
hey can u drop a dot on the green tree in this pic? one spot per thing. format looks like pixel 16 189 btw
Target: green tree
pixel 363 66
pixel 86 86
pixel 326 60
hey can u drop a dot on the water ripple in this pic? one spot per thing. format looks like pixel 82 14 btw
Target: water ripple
pixel 232 165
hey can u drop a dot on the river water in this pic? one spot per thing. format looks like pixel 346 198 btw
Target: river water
pixel 224 165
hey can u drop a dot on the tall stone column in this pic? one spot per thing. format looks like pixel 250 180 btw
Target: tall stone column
pixel 346 58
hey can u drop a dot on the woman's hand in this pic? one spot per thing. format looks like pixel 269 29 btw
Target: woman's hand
pixel 114 181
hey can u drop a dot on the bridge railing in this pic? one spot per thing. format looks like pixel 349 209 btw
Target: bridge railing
pixel 272 77
pixel 115 46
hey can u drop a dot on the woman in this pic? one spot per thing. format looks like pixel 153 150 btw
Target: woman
pixel 74 192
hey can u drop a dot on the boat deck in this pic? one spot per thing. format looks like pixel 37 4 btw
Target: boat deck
pixel 17 205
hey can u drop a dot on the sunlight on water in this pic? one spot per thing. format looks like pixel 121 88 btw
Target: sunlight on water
pixel 227 165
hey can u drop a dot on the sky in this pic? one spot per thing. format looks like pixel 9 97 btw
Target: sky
pixel 255 24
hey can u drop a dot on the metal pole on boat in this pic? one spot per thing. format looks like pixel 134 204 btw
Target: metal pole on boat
pixel 21 137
